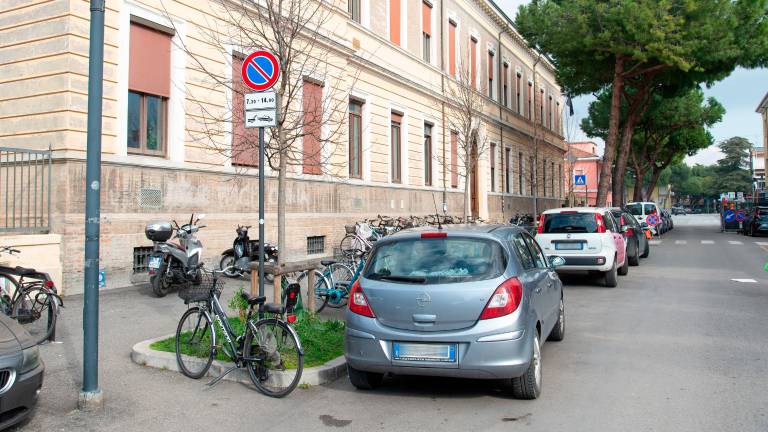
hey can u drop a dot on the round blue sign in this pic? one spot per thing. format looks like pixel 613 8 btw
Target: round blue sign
pixel 741 216
pixel 260 70
pixel 729 216
pixel 652 220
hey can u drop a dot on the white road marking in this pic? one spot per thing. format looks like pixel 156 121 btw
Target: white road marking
pixel 655 242
pixel 761 243
pixel 744 280
pixel 707 242
pixel 681 242
pixel 735 242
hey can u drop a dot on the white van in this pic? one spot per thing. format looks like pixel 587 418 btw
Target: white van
pixel 641 211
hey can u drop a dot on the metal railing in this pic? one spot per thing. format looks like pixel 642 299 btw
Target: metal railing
pixel 25 190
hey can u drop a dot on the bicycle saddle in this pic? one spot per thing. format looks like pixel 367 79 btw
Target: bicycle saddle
pixel 23 271
pixel 255 300
pixel 274 308
pixel 327 262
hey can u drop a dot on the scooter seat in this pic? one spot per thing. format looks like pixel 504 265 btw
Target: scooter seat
pixel 327 262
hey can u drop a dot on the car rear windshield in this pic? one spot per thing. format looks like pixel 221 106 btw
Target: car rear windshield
pixel 570 223
pixel 635 209
pixel 437 260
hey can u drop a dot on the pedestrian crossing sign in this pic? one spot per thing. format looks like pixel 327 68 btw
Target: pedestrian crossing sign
pixel 580 180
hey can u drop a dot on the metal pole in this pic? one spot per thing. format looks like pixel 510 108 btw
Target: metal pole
pixel 261 217
pixel 90 394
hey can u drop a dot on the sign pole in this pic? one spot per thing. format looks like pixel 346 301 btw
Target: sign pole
pixel 261 214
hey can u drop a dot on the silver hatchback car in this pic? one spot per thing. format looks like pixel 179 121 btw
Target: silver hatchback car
pixel 469 301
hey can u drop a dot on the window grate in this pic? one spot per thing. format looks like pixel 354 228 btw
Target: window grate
pixel 141 258
pixel 150 198
pixel 315 245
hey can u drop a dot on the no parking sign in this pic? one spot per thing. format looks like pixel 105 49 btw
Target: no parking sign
pixel 652 220
pixel 260 70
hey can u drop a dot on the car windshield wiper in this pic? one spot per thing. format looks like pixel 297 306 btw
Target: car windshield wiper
pixel 410 279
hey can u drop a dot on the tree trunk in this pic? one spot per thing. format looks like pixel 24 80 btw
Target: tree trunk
pixel 637 194
pixel 468 173
pixel 606 168
pixel 636 110
pixel 282 246
pixel 655 174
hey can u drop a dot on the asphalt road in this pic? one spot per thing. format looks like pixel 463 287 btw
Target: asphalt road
pixel 678 346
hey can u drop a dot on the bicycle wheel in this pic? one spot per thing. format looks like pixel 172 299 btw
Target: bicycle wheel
pixel 36 309
pixel 349 244
pixel 8 287
pixel 338 295
pixel 194 343
pixel 276 357
pixel 321 290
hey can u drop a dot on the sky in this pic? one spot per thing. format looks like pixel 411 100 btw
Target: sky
pixel 740 94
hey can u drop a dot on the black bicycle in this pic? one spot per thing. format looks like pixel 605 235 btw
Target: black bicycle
pixel 268 346
pixel 32 299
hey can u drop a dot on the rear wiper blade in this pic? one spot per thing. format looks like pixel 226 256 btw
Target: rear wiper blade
pixel 411 279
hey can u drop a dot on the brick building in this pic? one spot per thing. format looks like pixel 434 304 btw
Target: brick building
pixel 403 55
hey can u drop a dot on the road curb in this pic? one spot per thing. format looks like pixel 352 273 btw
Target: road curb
pixel 142 355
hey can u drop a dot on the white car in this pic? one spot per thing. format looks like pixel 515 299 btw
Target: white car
pixel 641 211
pixel 587 238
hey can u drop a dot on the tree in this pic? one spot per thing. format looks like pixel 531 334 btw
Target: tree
pixel 732 172
pixel 310 126
pixel 642 44
pixel 464 116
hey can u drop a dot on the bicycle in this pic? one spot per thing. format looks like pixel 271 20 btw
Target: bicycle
pixel 338 296
pixel 29 301
pixel 268 347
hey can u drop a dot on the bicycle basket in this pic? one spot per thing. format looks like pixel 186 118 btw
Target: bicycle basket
pixel 199 290
pixel 365 231
pixel 350 229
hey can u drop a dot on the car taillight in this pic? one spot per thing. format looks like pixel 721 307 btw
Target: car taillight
pixel 504 300
pixel 48 284
pixel 540 228
pixel 358 303
pixel 600 223
pixel 630 232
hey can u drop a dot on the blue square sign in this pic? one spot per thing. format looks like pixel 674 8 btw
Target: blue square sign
pixel 580 180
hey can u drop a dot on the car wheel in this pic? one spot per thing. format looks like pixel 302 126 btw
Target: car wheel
pixel 558 332
pixel 610 279
pixel 624 269
pixel 364 380
pixel 634 259
pixel 647 250
pixel 528 386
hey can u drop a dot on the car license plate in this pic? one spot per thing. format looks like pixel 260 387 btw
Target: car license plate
pixel 154 262
pixel 569 246
pixel 424 352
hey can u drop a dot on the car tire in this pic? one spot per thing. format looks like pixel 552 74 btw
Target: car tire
pixel 624 269
pixel 364 380
pixel 528 385
pixel 647 250
pixel 634 259
pixel 558 332
pixel 609 278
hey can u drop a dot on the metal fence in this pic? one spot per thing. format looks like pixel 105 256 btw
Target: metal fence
pixel 25 190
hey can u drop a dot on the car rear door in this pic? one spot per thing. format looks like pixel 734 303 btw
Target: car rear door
pixel 548 283
pixel 532 278
pixel 569 233
pixel 618 237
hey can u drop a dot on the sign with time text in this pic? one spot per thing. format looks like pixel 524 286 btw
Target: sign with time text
pixel 260 101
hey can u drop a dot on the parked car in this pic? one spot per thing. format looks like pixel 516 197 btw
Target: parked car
pixel 756 222
pixel 636 241
pixel 587 238
pixel 641 211
pixel 666 220
pixel 462 301
pixel 681 211
pixel 21 373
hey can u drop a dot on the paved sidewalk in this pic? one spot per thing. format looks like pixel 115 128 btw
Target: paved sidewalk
pixel 136 397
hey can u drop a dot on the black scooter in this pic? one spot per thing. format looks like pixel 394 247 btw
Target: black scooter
pixel 235 262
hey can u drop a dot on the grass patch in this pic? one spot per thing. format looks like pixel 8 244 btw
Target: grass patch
pixel 322 340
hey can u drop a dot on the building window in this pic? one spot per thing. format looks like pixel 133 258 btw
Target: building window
pixel 149 87
pixel 394 21
pixel 490 74
pixel 141 258
pixel 544 176
pixel 427 154
pixel 560 180
pixel 312 99
pixel 520 173
pixel 426 31
pixel 473 61
pixel 315 245
pixel 504 79
pixel 518 93
pixel 532 168
pixel 353 7
pixel 541 108
pixel 245 141
pixel 454 159
pixel 508 168
pixel 396 147
pixel 355 139
pixel 530 102
pixel 549 112
pixel 552 180
pixel 452 48
pixel 557 117
pixel 493 167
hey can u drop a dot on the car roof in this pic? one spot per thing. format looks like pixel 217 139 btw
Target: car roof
pixel 473 230
pixel 643 202
pixel 576 209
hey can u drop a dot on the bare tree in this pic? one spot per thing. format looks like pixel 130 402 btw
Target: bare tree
pixel 312 89
pixel 464 115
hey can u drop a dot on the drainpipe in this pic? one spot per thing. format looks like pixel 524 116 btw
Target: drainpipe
pixel 442 102
pixel 535 166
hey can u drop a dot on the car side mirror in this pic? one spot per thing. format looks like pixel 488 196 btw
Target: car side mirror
pixel 556 261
